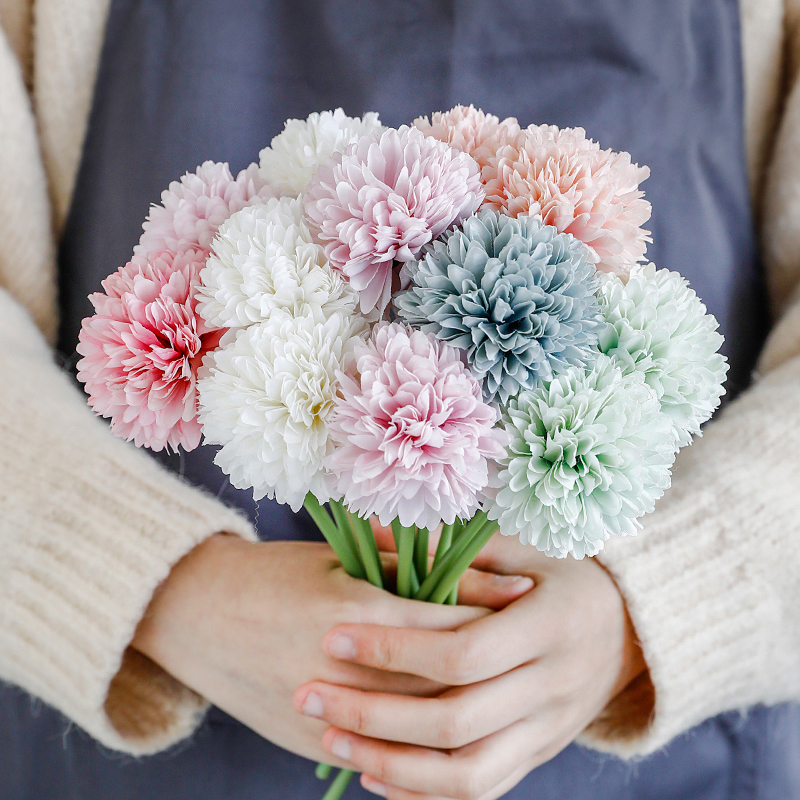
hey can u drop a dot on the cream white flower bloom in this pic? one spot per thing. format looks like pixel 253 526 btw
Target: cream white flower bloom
pixel 657 326
pixel 295 154
pixel 263 261
pixel 267 396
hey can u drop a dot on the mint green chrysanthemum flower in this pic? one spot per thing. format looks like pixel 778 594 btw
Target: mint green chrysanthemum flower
pixel 658 327
pixel 516 294
pixel 590 453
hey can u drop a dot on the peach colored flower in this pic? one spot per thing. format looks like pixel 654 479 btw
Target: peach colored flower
pixel 470 130
pixel 575 186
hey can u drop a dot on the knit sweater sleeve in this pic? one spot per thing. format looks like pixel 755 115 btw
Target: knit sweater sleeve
pixel 712 583
pixel 89 527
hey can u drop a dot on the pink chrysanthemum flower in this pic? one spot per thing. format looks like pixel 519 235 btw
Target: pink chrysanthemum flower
pixel 142 348
pixel 415 440
pixel 575 186
pixel 384 198
pixel 193 208
pixel 470 130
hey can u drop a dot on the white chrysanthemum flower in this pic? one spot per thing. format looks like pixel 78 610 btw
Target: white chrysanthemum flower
pixel 263 261
pixel 295 154
pixel 590 453
pixel 658 326
pixel 267 396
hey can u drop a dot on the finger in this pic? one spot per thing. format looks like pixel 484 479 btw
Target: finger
pixel 452 719
pixel 468 773
pixel 478 650
pixel 507 555
pixel 490 590
pixel 393 793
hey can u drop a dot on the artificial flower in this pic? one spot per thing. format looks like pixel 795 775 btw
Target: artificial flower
pixel 383 199
pixel 590 452
pixel 193 208
pixel 142 348
pixel 294 155
pixel 415 440
pixel 470 130
pixel 657 326
pixel 267 396
pixel 263 262
pixel 515 294
pixel 565 178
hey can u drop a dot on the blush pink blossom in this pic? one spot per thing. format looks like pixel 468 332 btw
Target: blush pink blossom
pixel 575 186
pixel 193 208
pixel 384 198
pixel 142 348
pixel 415 440
pixel 470 130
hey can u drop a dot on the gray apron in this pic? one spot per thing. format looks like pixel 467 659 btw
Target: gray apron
pixel 181 82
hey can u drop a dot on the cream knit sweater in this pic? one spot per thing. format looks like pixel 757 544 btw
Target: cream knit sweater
pixel 89 526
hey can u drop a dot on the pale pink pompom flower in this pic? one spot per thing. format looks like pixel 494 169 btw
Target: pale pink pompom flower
pixel 414 438
pixel 383 199
pixel 565 178
pixel 470 130
pixel 193 208
pixel 142 348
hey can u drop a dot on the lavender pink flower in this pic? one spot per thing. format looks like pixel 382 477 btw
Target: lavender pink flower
pixel 385 197
pixel 470 130
pixel 575 186
pixel 415 440
pixel 142 348
pixel 193 208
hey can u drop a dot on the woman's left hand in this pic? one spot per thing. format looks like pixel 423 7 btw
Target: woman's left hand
pixel 524 682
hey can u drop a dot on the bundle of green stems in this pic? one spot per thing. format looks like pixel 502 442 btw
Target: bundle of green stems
pixel 418 577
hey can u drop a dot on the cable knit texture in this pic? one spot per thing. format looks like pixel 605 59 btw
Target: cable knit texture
pixel 89 526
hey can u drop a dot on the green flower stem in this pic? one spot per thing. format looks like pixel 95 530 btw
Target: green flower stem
pixel 449 580
pixel 439 570
pixel 407 582
pixel 339 784
pixel 323 771
pixel 343 524
pixel 452 598
pixel 445 540
pixel 323 521
pixel 421 553
pixel 369 551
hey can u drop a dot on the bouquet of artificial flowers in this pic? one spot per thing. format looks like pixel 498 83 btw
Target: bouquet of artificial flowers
pixel 442 325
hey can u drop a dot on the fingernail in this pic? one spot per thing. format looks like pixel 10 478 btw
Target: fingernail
pixel 374 786
pixel 519 582
pixel 341 748
pixel 342 646
pixel 312 705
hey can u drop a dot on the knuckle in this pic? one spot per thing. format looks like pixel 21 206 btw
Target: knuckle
pixel 453 727
pixel 386 651
pixel 470 784
pixel 463 661
pixel 358 719
pixel 384 772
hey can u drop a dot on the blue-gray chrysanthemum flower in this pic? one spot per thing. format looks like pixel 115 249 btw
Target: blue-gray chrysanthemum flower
pixel 514 293
pixel 657 326
pixel 590 452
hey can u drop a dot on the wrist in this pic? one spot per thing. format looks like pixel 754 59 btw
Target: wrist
pixel 182 602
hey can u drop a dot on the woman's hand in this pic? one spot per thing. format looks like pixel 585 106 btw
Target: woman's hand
pixel 242 624
pixel 524 682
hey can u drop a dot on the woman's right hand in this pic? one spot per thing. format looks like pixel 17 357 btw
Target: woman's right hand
pixel 242 624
